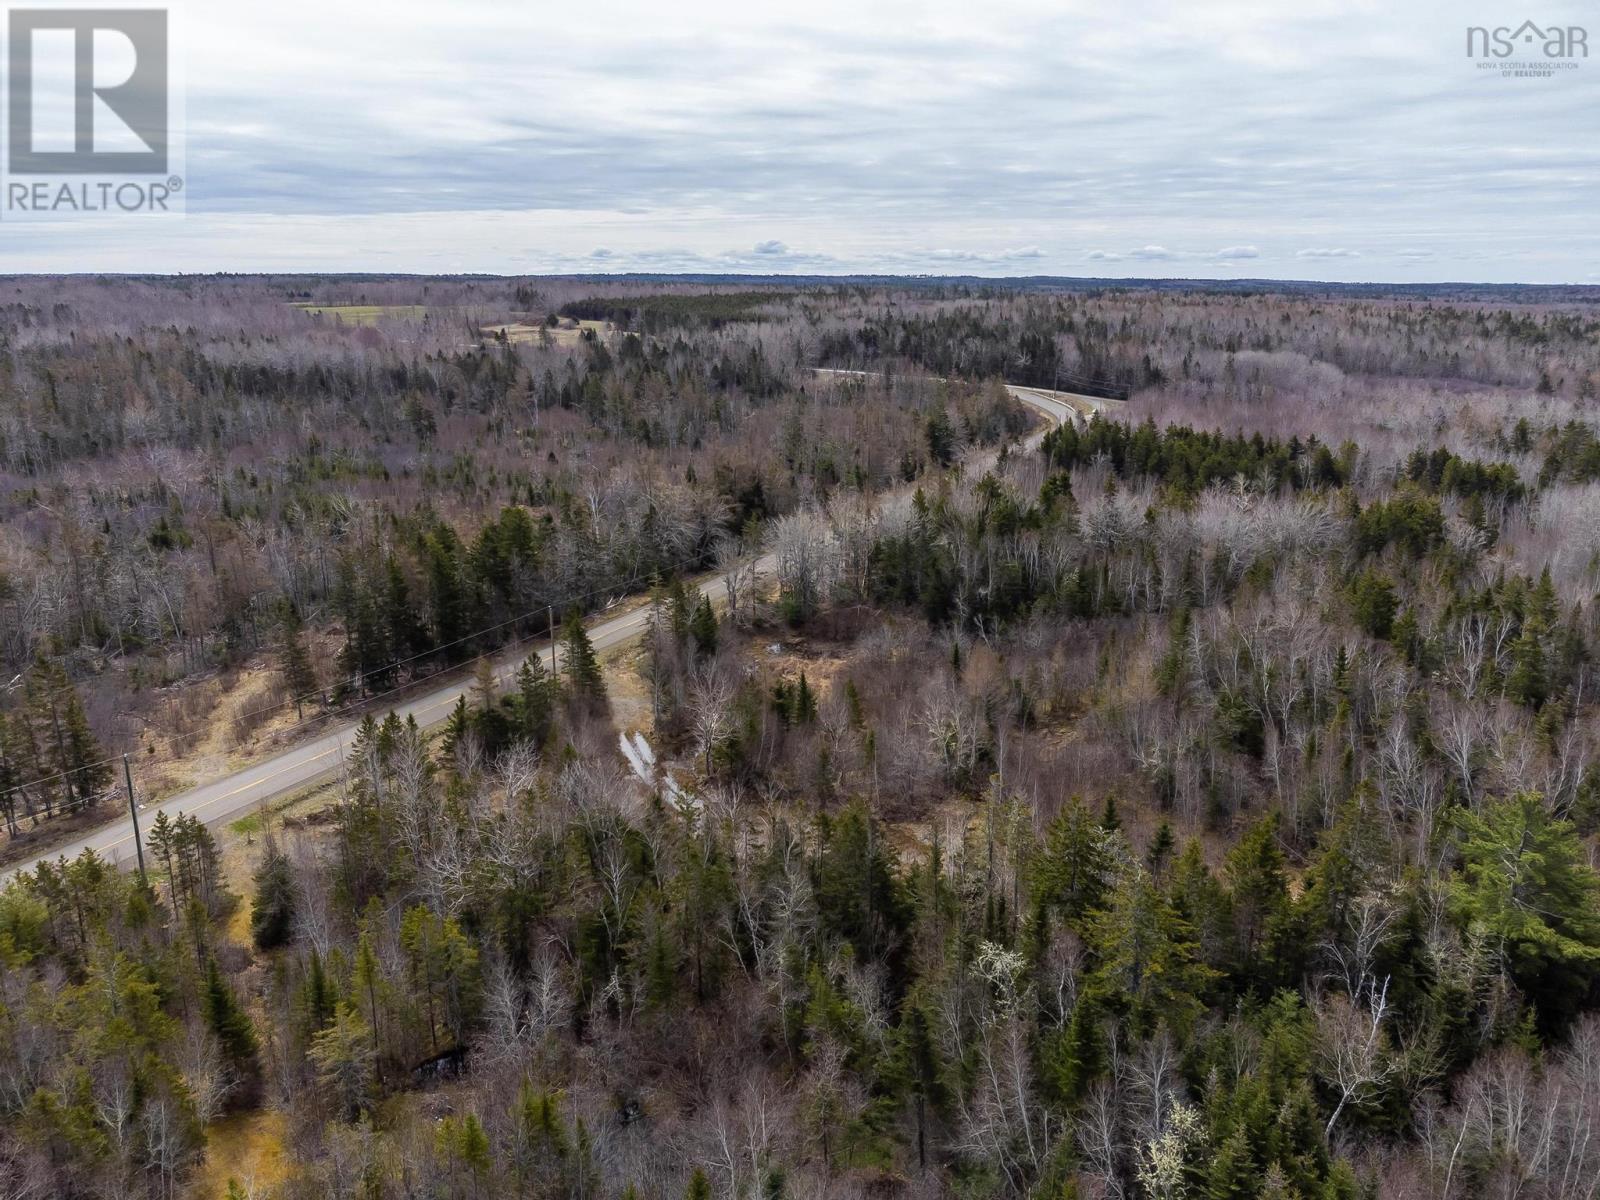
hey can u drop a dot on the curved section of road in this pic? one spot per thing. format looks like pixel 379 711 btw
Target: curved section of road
pixel 323 757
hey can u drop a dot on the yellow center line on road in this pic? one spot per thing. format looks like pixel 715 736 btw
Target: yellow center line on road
pixel 244 787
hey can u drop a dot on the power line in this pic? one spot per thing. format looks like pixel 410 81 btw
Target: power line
pixel 625 587
pixel 360 701
pixel 349 707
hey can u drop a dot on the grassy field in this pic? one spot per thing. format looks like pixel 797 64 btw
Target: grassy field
pixel 364 314
pixel 566 335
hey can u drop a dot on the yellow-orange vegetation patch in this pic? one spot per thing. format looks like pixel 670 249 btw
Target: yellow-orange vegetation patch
pixel 248 1147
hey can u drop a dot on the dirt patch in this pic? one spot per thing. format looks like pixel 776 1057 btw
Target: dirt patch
pixel 822 665
pixel 627 688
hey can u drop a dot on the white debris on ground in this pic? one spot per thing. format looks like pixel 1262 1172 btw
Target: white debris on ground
pixel 642 761
pixel 643 747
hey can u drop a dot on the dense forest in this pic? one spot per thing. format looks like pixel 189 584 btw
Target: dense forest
pixel 1196 800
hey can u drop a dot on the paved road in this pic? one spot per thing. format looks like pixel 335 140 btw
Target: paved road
pixel 320 759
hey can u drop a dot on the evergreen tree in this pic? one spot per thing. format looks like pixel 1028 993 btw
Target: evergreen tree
pixel 1528 681
pixel 160 841
pixel 366 656
pixel 272 910
pixel 705 888
pixel 802 702
pixel 344 1057
pixel 1072 872
pixel 1526 883
pixel 1146 963
pixel 72 769
pixel 920 1052
pixel 294 664
pixel 317 997
pixel 1258 883
pixel 464 1146
pixel 444 971
pixel 941 437
pixel 228 1021
pixel 405 634
pixel 1075 1054
pixel 541 1146
pixel 1161 848
pixel 533 702
pixel 1374 604
pixel 449 598
pixel 584 680
pixel 703 627
pixel 1110 821
pixel 858 895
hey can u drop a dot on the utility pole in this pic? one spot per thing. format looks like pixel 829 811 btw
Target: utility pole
pixel 555 675
pixel 133 811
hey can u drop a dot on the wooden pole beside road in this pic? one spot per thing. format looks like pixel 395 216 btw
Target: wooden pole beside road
pixel 133 813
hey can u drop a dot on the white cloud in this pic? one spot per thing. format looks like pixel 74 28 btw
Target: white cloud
pixel 1162 254
pixel 1327 252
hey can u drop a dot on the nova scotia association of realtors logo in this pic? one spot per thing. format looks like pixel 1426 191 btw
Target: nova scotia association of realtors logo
pixel 90 124
pixel 1529 50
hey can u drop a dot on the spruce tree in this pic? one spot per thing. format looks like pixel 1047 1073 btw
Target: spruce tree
pixel 72 767
pixel 407 637
pixel 1147 965
pixel 228 1020
pixel 584 681
pixel 1527 683
pixel 1526 884
pixel 533 702
pixel 1161 848
pixel 317 996
pixel 1072 873
pixel 272 910
pixel 802 703
pixel 294 664
pixel 703 628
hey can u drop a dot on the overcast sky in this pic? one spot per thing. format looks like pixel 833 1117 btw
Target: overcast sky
pixel 1346 141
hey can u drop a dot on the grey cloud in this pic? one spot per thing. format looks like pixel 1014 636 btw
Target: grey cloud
pixel 993 140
